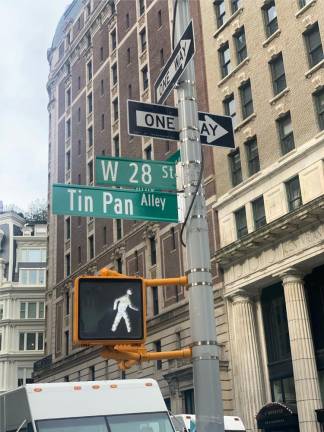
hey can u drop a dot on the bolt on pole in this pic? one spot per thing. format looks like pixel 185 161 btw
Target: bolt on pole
pixel 205 352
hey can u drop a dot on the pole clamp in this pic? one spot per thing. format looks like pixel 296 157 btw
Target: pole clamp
pixel 191 162
pixel 206 357
pixel 203 343
pixel 197 270
pixel 194 194
pixel 202 283
pixel 183 140
pixel 186 82
pixel 187 98
pixel 198 216
pixel 194 128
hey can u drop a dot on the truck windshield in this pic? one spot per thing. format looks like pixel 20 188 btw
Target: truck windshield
pixel 152 422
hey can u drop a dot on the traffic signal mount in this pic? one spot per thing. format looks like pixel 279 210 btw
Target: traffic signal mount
pixel 110 310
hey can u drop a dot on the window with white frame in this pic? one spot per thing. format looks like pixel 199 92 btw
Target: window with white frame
pixel 1 311
pixel 0 341
pixel 32 276
pixel 33 255
pixel 31 341
pixel 31 310
pixel 24 376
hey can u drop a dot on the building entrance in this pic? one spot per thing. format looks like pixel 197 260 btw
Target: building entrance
pixel 277 417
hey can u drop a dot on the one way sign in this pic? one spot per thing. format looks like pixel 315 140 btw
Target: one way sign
pixel 160 121
pixel 175 65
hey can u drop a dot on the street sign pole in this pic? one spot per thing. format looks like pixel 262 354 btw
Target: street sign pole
pixel 205 353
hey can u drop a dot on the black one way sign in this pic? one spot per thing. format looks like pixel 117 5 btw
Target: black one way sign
pixel 160 121
pixel 175 65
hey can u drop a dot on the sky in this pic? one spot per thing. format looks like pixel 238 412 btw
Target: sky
pixel 26 31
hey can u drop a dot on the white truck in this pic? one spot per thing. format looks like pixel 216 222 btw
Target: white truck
pixel 89 406
pixel 187 423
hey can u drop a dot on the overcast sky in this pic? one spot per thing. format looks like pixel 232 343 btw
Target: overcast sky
pixel 26 31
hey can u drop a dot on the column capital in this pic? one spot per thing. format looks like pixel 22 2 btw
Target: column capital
pixel 291 274
pixel 240 296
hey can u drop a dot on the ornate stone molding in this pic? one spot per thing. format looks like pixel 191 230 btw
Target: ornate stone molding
pixel 150 231
pixel 291 274
pixel 240 296
pixel 118 252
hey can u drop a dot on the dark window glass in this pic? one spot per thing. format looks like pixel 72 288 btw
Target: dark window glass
pixel 115 109
pixel 240 220
pixel 89 71
pixel 153 250
pixel 283 390
pixel 319 104
pixel 236 4
pixel 101 53
pixel 278 74
pixel 148 153
pixel 116 146
pixel 240 45
pixel 160 18
pixel 127 20
pixel 66 342
pixel 143 40
pixel 258 213
pixel 102 88
pixel 230 108
pixel 114 74
pixel 270 18
pixel 286 134
pixel 79 114
pixel 79 82
pixel 79 148
pixel 252 156
pixel 68 228
pixel 89 103
pixel 92 373
pixel 220 12
pixel 293 193
pixel 68 97
pixel 236 169
pixel 155 298
pixel 189 401
pixel 303 3
pixel 141 7
pixel 90 137
pixel 120 265
pixel 91 247
pixel 128 55
pixel 225 60
pixel 90 171
pixel 314 45
pixel 102 121
pixel 158 349
pixel 129 91
pixel 68 160
pixel 246 99
pixel 145 77
pixel 68 128
pixel 113 39
pixel 68 264
pixel 119 229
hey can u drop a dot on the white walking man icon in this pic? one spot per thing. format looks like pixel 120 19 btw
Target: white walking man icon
pixel 121 304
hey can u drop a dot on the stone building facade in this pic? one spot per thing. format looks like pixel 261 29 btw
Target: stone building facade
pixel 103 53
pixel 265 69
pixel 22 295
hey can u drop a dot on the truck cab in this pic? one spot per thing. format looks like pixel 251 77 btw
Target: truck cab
pixel 88 406
pixel 187 423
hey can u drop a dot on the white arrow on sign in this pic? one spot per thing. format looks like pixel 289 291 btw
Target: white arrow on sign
pixel 177 64
pixel 210 129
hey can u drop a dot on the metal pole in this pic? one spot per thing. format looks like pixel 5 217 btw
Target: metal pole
pixel 205 353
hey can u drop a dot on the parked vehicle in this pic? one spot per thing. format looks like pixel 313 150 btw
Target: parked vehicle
pixel 90 406
pixel 187 423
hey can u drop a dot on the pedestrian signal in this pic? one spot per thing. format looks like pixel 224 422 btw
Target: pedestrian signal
pixel 109 311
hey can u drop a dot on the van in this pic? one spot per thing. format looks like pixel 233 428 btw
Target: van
pixel 187 423
pixel 101 406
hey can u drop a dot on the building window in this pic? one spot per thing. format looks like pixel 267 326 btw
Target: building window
pixel 1 311
pixel 67 265
pixel 286 134
pixel 230 108
pixel 90 106
pixel 303 3
pixel 220 12
pixel 68 97
pixel 67 228
pixel 119 229
pixel 240 45
pixel 240 220
pixel 314 45
pixel 319 105
pixel 159 18
pixel 141 7
pixel 235 165
pixel 32 276
pixel 155 300
pixel 102 88
pixel 258 213
pixel 0 341
pixel 79 114
pixel 90 172
pixel 148 153
pixel 68 129
pixel 153 250
pixel 246 99
pixel 67 303
pixel 24 376
pixel 225 60
pixel 157 345
pixel 79 148
pixel 102 121
pixel 90 137
pixel 127 20
pixel 120 265
pixel 31 341
pixel 252 153
pixel 115 109
pixel 113 40
pixel 129 91
pixel 89 71
pixel 91 246
pixel 114 74
pixel 270 18
pixel 79 82
pixel 143 39
pixel 92 373
pixel 68 160
pixel 293 193
pixel 278 74
pixel 189 401
pixel 34 255
pixel 236 4
pixel 116 146
pixel 88 38
pixel 31 310
pixel 128 55
pixel 145 77
pixel 66 334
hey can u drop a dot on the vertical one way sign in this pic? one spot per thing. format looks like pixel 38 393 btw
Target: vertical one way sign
pixel 175 65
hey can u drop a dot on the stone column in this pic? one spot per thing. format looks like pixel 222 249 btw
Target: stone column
pixel 248 377
pixel 302 352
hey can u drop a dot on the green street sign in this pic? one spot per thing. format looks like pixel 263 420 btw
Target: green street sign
pixel 116 171
pixel 175 157
pixel 76 200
